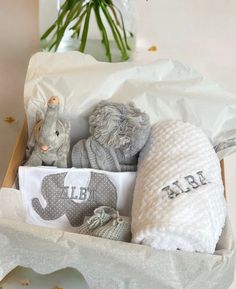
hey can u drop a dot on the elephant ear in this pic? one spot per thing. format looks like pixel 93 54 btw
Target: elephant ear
pixel 64 149
pixel 31 141
pixel 67 126
pixel 39 116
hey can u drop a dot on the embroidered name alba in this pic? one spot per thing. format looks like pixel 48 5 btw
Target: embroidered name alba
pixel 81 194
pixel 185 185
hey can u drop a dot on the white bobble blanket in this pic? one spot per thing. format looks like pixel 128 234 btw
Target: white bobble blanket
pixel 179 196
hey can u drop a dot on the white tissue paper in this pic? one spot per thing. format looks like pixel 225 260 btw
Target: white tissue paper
pixel 165 89
pixel 111 264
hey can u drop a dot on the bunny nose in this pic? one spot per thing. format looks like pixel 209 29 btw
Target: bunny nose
pixel 44 148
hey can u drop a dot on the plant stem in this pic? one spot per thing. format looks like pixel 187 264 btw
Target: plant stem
pixel 101 27
pixel 68 20
pixel 53 26
pixel 77 27
pixel 85 29
pixel 115 31
pixel 122 26
pixel 76 9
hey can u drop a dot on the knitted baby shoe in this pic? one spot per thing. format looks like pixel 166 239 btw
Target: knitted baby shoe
pixel 101 216
pixel 118 229
pixel 106 223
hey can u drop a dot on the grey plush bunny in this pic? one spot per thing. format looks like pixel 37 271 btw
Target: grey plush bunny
pixel 118 132
pixel 51 139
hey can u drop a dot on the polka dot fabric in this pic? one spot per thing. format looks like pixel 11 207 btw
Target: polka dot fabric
pixel 58 203
pixel 179 195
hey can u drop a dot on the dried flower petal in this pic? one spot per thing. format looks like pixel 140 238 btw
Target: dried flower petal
pixel 24 282
pixel 153 48
pixel 9 119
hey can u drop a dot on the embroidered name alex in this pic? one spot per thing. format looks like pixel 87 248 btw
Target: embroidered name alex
pixel 185 185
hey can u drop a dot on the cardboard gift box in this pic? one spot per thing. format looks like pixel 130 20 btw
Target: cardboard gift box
pixel 105 263
pixel 109 264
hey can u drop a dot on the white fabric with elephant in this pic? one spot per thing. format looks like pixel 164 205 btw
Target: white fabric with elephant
pixel 61 198
pixel 179 196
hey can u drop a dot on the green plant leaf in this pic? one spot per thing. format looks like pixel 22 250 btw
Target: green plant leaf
pixel 68 20
pixel 67 13
pixel 101 27
pixel 50 29
pixel 78 23
pixel 77 27
pixel 112 7
pixel 115 31
pixel 62 13
pixel 122 25
pixel 85 28
pixel 76 10
pixel 71 3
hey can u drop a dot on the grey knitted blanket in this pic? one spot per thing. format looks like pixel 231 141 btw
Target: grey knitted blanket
pixel 91 154
pixel 118 133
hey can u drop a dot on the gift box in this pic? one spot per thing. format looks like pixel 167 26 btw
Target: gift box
pixel 105 263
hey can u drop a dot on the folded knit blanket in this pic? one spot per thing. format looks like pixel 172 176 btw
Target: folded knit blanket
pixel 179 196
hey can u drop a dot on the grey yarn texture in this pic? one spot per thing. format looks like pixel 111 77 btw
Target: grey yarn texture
pixel 118 133
pixel 58 203
pixel 106 223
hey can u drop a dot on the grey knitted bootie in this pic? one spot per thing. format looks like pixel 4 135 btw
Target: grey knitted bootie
pixel 118 229
pixel 101 216
pixel 106 223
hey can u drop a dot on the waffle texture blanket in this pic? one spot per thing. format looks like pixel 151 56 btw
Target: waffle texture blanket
pixel 179 196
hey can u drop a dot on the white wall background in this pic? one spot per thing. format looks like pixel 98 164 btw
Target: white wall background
pixel 18 40
pixel 198 32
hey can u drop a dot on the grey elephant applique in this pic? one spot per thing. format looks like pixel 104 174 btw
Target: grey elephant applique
pixel 58 204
